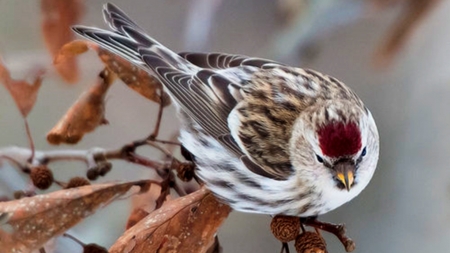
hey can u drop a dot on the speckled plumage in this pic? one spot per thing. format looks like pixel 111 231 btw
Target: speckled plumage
pixel 258 128
pixel 274 99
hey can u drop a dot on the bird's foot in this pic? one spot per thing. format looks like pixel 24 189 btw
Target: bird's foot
pixel 337 229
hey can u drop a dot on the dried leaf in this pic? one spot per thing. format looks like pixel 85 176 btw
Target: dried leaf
pixel 23 93
pixel 57 18
pixel 28 223
pixel 70 50
pixel 134 77
pixel 136 215
pixel 414 12
pixel 142 205
pixel 6 240
pixel 85 114
pixel 186 224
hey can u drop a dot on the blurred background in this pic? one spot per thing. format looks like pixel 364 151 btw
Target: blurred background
pixel 394 53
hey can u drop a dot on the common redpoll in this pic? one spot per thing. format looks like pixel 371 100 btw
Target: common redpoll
pixel 266 137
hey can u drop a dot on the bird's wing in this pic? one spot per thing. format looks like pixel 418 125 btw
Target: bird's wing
pixel 220 61
pixel 204 86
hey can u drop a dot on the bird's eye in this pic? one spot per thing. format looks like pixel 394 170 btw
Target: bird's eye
pixel 363 153
pixel 319 159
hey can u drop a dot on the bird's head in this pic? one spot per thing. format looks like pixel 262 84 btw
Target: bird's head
pixel 341 151
pixel 337 145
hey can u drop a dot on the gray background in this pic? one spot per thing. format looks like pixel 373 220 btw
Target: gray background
pixel 404 209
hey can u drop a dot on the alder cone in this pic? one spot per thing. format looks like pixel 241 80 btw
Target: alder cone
pixel 19 194
pixel 94 248
pixel 285 228
pixel 23 194
pixel 310 242
pixel 104 167
pixel 77 182
pixel 186 171
pixel 92 173
pixel 42 177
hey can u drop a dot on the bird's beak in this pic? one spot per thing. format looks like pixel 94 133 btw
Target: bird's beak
pixel 345 173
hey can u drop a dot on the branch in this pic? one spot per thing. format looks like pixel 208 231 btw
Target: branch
pixel 336 229
pixel 21 156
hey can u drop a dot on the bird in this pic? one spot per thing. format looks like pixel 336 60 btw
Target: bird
pixel 266 137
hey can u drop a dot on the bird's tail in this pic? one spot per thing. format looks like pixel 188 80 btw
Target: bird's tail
pixel 130 41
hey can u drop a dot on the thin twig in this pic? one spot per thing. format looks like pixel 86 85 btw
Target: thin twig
pixel 60 184
pixel 337 229
pixel 158 119
pixel 165 189
pixel 135 158
pixel 20 156
pixel 11 160
pixel 30 139
pixel 165 151
pixel 167 142
pixel 45 157
pixel 284 247
pixel 74 239
pixel 179 190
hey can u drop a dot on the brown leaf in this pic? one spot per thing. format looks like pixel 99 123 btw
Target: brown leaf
pixel 142 205
pixel 413 13
pixel 136 215
pixel 185 224
pixel 57 18
pixel 7 241
pixel 30 222
pixel 85 114
pixel 23 93
pixel 134 77
pixel 70 50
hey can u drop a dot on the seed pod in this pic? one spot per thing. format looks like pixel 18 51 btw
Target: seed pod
pixel 77 182
pixel 310 242
pixel 186 171
pixel 94 248
pixel 22 194
pixel 41 176
pixel 104 167
pixel 19 194
pixel 285 228
pixel 92 173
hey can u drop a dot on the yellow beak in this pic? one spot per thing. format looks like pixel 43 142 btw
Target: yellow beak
pixel 345 172
pixel 346 178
